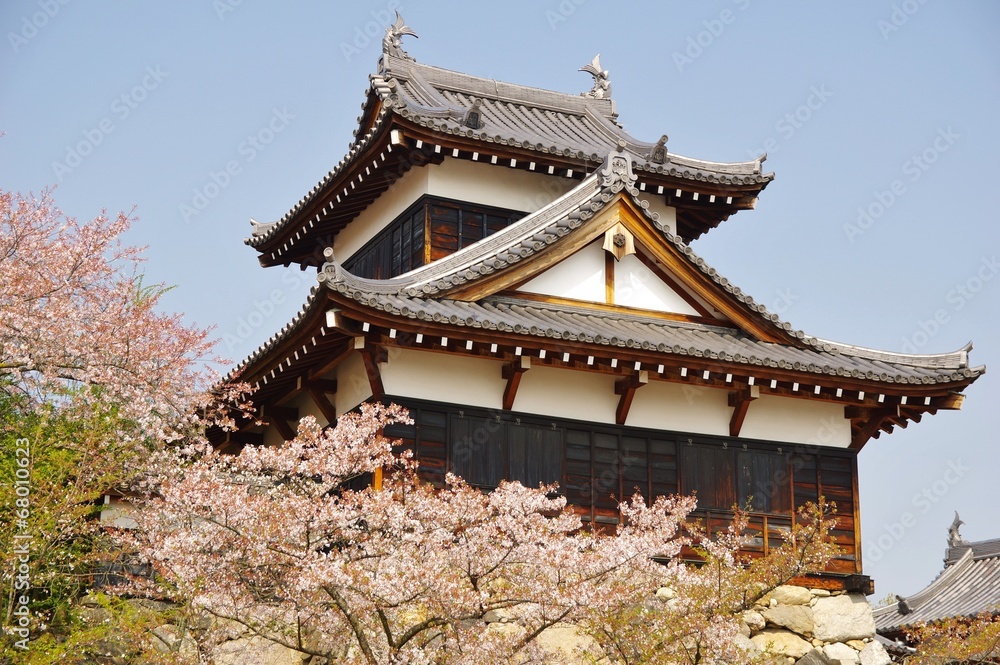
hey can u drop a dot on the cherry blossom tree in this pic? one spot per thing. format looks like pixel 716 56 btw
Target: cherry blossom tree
pixel 93 376
pixel 958 640
pixel 273 540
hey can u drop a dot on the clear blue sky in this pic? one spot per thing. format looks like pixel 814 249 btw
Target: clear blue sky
pixel 886 107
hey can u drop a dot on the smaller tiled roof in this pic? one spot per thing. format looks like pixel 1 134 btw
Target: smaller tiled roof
pixel 546 122
pixel 542 121
pixel 968 585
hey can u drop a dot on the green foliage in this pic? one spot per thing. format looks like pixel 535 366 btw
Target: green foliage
pixel 74 460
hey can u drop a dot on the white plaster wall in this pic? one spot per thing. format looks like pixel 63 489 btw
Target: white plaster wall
pixel 580 276
pixel 118 513
pixel 661 405
pixel 668 214
pixel 496 185
pixel 352 383
pixel 307 407
pixel 638 286
pixel 272 437
pixel 672 406
pixel 459 179
pixel 797 421
pixel 444 378
pixel 383 210
pixel 568 394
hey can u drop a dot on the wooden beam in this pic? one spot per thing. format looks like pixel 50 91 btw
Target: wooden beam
pixel 318 389
pixel 609 278
pixel 372 355
pixel 512 371
pixel 234 441
pixel 740 401
pixel 952 401
pixel 626 387
pixel 280 417
pixel 870 423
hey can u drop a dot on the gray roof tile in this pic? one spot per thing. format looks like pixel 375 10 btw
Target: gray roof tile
pixel 519 116
pixel 967 586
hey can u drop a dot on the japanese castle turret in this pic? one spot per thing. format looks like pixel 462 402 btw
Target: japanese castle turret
pixel 516 269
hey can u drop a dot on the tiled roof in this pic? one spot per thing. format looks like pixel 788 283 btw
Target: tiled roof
pixel 422 295
pixel 550 324
pixel 542 121
pixel 530 118
pixel 968 585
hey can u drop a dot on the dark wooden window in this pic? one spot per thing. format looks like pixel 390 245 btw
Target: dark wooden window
pixel 396 249
pixel 433 227
pixel 485 450
pixel 725 477
pixel 597 466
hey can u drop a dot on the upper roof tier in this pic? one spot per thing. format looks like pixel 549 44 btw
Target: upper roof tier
pixel 417 114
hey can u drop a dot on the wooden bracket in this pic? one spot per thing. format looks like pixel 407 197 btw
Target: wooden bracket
pixel 318 389
pixel 372 355
pixel 234 441
pixel 868 422
pixel 281 417
pixel 626 387
pixel 512 371
pixel 951 401
pixel 740 401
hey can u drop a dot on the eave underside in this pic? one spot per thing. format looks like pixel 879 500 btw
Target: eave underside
pixel 300 239
pixel 309 353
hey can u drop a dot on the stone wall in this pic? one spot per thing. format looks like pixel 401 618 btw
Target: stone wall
pixel 814 627
pixel 803 626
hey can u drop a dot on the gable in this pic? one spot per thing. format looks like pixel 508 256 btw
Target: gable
pixel 593 275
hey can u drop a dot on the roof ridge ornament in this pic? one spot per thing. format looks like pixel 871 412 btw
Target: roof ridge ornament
pixel 473 118
pixel 602 80
pixel 616 172
pixel 392 42
pixel 658 155
pixel 954 537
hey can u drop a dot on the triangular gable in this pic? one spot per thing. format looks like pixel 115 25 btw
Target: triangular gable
pixel 681 274
pixel 594 275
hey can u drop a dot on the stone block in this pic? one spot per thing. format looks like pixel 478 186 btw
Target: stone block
pixel 778 641
pixel 842 618
pixel 842 653
pixel 796 618
pixel 814 657
pixel 787 594
pixel 754 620
pixel 874 654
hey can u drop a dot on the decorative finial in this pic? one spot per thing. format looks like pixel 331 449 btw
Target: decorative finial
pixel 954 537
pixel 392 42
pixel 602 82
pixel 616 172
pixel 259 228
pixel 474 115
pixel 658 155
